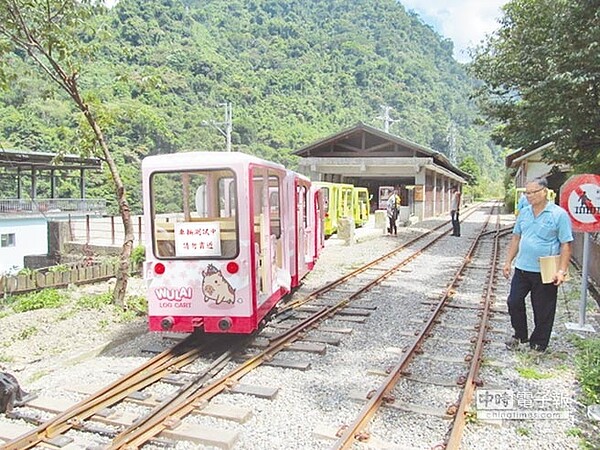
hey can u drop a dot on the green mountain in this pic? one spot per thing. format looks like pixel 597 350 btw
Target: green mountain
pixel 294 70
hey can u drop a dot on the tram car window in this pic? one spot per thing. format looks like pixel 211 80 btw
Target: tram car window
pixel 198 229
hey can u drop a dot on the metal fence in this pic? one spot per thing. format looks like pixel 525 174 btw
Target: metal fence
pixel 52 205
pixel 104 231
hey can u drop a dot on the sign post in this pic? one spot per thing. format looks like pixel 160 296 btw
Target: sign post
pixel 580 197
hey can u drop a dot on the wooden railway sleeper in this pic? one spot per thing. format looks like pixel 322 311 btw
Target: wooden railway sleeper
pixel 389 399
pixel 200 404
pixel 362 436
pixel 74 421
pixel 452 409
pixel 171 422
pixel 341 430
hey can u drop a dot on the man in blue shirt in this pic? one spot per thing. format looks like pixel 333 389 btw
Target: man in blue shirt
pixel 543 229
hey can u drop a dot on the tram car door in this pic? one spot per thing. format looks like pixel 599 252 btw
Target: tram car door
pixel 303 229
pixel 272 274
pixel 316 222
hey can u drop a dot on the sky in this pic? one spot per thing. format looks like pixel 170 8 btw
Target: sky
pixel 465 22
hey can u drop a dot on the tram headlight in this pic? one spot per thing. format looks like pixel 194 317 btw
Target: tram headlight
pixel 233 267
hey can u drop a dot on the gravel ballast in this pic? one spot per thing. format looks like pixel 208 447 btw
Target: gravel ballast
pixel 53 351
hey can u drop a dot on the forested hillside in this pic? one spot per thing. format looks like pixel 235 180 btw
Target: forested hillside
pixel 294 70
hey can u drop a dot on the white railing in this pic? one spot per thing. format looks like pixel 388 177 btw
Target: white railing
pixel 52 205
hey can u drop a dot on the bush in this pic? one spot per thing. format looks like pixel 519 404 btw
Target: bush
pixel 26 271
pixel 588 369
pixel 95 301
pixel 509 200
pixel 60 268
pixel 138 255
pixel 47 298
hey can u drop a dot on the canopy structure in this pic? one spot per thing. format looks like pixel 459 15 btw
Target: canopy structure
pixel 366 156
pixel 19 164
pixel 365 151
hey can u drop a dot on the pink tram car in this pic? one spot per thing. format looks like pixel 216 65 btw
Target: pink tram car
pixel 227 236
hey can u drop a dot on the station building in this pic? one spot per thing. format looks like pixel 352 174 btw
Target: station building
pixel 366 156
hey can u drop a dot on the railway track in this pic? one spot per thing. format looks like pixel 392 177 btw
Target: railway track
pixel 433 327
pixel 290 330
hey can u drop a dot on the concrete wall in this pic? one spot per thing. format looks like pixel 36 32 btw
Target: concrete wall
pixel 31 238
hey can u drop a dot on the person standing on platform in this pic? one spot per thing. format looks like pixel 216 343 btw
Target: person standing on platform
pixel 542 229
pixel 454 211
pixel 393 208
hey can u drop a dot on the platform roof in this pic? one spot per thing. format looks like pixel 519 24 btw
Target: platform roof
pixel 368 143
pixel 13 159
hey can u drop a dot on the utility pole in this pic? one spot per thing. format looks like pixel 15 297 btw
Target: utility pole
pixel 387 119
pixel 227 124
pixel 451 139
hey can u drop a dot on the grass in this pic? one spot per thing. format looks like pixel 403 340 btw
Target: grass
pixel 587 363
pixel 530 373
pixel 95 301
pixel 103 324
pixel 471 417
pixel 37 375
pixel 522 431
pixel 6 359
pixel 137 304
pixel 65 315
pixel 25 333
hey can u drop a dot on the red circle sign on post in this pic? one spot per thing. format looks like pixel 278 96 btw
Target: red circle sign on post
pixel 580 197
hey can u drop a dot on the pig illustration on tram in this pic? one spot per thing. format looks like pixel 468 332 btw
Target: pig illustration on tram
pixel 228 235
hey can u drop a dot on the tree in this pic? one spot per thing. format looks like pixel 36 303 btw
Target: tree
pixel 53 34
pixel 541 74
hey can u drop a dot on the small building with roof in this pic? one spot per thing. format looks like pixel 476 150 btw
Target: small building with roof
pixel 366 156
pixel 528 163
pixel 24 213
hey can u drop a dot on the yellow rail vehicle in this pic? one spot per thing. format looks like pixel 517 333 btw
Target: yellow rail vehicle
pixel 338 204
pixel 361 205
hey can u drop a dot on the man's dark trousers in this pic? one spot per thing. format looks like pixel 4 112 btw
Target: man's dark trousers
pixel 543 301
pixel 455 223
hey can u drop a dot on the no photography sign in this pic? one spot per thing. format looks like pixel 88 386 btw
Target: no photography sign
pixel 580 197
